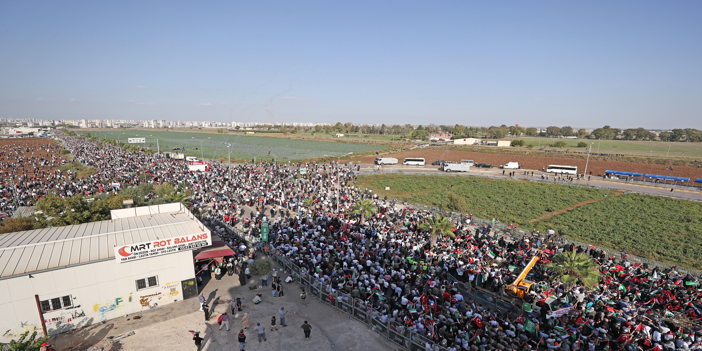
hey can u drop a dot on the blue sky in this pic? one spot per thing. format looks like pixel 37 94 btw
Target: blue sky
pixel 535 63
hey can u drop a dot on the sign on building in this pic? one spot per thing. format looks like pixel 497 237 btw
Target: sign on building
pixel 136 140
pixel 133 252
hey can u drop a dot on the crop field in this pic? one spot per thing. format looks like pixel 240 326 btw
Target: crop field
pixel 658 228
pixel 508 201
pixel 214 146
pixel 628 147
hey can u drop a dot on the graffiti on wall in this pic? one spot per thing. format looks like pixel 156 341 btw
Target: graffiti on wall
pixel 112 307
pixel 169 293
pixel 25 327
pixel 172 288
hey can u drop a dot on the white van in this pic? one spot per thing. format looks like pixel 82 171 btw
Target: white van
pixel 191 159
pixel 385 161
pixel 510 165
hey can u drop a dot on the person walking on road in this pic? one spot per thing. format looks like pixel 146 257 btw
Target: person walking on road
pixel 307 329
pixel 198 340
pixel 242 340
pixel 274 287
pixel 303 296
pixel 280 290
pixel 261 332
pixel 225 320
pixel 282 312
pixel 202 300
pixel 232 306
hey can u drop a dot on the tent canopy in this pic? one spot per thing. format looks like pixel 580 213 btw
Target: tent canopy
pixel 218 250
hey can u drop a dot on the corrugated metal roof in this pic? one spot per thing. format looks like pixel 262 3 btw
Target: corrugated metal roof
pixel 47 248
pixel 24 211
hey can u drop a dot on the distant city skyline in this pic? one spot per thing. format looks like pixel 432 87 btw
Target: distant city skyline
pixel 537 64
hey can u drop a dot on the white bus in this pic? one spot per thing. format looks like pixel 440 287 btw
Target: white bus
pixel 414 162
pixel 562 169
pixel 385 161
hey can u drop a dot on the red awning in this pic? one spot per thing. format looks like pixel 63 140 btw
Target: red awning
pixel 218 250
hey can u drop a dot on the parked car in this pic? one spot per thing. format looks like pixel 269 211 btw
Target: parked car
pixel 438 163
pixel 484 165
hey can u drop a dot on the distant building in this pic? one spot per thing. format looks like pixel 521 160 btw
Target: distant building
pixel 440 136
pixel 466 141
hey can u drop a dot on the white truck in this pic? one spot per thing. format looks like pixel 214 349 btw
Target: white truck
pixel 176 156
pixel 385 161
pixel 510 165
pixel 198 166
pixel 467 162
pixel 191 159
pixel 455 167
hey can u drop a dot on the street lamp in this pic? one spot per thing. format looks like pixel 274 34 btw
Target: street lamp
pixel 588 158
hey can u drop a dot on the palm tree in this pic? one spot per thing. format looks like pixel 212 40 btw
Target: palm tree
pixel 572 267
pixel 365 208
pixel 181 197
pixel 437 224
pixel 308 202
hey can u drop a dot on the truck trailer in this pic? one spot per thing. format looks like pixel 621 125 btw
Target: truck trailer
pixel 455 167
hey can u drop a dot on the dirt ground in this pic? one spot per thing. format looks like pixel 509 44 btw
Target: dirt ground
pixel 596 167
pixel 26 153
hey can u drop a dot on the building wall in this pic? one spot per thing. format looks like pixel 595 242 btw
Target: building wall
pixel 466 141
pixel 99 291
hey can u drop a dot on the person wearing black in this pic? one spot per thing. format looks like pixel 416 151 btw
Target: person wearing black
pixel 242 339
pixel 198 340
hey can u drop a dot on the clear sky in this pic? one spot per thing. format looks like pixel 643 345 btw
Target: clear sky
pixel 535 63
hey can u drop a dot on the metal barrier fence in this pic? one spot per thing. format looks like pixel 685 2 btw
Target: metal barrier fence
pixel 392 331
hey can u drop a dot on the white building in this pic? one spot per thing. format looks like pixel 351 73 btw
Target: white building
pixel 466 141
pixel 69 277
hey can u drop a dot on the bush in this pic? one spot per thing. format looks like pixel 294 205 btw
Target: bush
pixel 261 267
pixel 559 144
pixel 582 144
pixel 517 142
pixel 65 152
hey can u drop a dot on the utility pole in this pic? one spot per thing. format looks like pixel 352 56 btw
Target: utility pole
pixel 158 147
pixel 588 159
pixel 668 151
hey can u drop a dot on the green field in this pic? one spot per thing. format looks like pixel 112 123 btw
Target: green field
pixel 214 146
pixel 628 147
pixel 658 228
pixel 508 201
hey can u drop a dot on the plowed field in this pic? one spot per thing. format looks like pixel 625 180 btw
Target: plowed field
pixel 595 166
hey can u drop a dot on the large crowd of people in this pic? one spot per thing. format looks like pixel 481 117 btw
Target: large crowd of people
pixel 389 264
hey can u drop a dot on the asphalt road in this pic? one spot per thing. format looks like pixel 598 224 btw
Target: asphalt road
pixel 680 192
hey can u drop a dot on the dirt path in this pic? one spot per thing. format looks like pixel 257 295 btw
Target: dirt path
pixel 551 214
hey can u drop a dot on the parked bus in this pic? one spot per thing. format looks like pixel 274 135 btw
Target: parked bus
pixel 385 161
pixel 562 169
pixel 414 162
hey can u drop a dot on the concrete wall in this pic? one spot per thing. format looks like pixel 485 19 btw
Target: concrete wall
pixel 100 291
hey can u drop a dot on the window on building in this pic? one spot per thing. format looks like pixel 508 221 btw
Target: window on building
pixel 56 303
pixel 146 283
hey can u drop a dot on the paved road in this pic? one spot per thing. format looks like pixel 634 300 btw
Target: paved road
pixel 166 327
pixel 686 193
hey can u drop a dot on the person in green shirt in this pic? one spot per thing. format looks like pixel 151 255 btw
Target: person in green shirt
pixel 307 329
